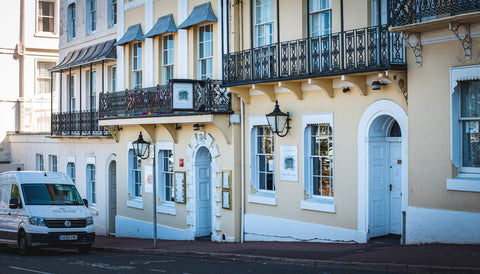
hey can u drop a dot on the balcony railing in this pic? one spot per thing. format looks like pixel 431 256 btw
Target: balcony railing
pixel 208 97
pixel 405 12
pixel 359 50
pixel 75 123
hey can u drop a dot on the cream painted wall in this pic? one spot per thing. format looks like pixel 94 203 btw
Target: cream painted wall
pixel 429 128
pixel 347 110
pixel 355 14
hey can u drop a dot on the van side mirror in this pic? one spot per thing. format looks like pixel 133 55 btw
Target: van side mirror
pixel 85 201
pixel 14 203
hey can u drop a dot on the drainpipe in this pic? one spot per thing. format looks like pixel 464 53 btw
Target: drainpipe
pixel 21 65
pixel 242 153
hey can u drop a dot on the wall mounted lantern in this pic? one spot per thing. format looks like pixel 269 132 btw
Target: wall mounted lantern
pixel 279 121
pixel 376 85
pixel 140 146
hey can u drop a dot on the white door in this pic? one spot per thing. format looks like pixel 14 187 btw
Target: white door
pixel 378 202
pixel 395 187
pixel 202 171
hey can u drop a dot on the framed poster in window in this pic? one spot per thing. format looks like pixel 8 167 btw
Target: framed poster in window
pixel 182 94
pixel 289 163
pixel 226 179
pixel 226 199
pixel 180 187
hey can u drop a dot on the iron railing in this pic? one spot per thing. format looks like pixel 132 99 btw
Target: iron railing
pixel 405 12
pixel 359 50
pixel 77 123
pixel 208 97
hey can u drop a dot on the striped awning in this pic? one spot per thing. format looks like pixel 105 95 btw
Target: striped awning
pixel 92 54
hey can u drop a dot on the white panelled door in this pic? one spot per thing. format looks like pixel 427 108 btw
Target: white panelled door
pixel 396 187
pixel 378 203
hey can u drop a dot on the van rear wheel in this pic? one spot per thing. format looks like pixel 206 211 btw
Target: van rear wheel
pixel 24 247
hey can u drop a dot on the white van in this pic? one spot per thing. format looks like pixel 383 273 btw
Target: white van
pixel 43 209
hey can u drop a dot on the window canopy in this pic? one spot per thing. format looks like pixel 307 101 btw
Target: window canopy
pixel 134 33
pixel 201 13
pixel 91 54
pixel 164 24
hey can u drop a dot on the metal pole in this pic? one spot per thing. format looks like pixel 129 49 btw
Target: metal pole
pixel 154 198
pixel 51 102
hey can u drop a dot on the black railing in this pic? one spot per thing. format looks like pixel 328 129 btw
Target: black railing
pixel 208 97
pixel 75 123
pixel 359 50
pixel 405 12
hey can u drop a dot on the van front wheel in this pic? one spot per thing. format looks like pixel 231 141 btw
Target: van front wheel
pixel 24 247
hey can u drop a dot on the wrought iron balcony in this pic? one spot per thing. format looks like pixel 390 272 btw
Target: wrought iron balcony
pixel 359 50
pixel 208 98
pixel 405 12
pixel 77 123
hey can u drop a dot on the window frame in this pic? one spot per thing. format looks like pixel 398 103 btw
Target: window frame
pixel 200 60
pixel 91 16
pixel 167 68
pixel 263 24
pixel 91 77
pixel 72 21
pixel 374 12
pixel 39 163
pixel 113 78
pixel 112 13
pixel 51 17
pixel 91 184
pixel 136 65
pixel 134 200
pixel 313 13
pixel 47 78
pixel 72 93
pixel 71 171
pixel 316 202
pixel 52 163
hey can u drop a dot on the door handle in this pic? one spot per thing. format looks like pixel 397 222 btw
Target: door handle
pixel 390 187
pixel 9 213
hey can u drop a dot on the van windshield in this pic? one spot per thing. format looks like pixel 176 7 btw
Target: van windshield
pixel 50 194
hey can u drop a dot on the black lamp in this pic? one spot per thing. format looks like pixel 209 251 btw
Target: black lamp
pixel 376 85
pixel 278 121
pixel 140 146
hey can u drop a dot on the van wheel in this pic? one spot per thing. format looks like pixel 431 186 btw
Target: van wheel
pixel 84 249
pixel 24 247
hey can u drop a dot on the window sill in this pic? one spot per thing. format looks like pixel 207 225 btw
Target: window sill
pixel 464 183
pixel 263 198
pixel 46 35
pixel 167 208
pixel 319 204
pixel 135 203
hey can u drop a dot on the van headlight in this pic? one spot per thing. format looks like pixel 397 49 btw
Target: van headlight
pixel 37 221
pixel 89 220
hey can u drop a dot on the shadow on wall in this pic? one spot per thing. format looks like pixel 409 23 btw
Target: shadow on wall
pixel 5 157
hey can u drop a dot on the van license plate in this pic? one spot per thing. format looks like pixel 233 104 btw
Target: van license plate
pixel 68 237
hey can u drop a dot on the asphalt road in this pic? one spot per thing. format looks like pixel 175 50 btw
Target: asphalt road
pixel 53 260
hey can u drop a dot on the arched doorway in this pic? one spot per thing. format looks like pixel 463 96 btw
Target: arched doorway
pixel 385 177
pixel 112 186
pixel 203 193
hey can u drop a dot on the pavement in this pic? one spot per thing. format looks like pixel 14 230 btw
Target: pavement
pixel 378 255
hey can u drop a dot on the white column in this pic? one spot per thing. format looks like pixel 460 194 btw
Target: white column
pixel 182 41
pixel 120 53
pixel 149 67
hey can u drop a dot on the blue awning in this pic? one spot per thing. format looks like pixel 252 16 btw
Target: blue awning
pixel 134 33
pixel 201 13
pixel 91 54
pixel 164 24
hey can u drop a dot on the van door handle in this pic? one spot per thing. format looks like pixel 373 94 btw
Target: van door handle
pixel 9 213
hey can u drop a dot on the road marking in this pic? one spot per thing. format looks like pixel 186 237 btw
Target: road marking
pixel 29 270
pixel 158 270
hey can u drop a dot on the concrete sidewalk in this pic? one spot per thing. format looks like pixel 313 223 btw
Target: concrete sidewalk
pixel 377 256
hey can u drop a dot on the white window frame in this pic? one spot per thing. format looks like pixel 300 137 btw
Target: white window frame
pixel 133 201
pixel 71 170
pixel 203 75
pixel 468 178
pixel 91 184
pixel 38 16
pixel 137 65
pixel 41 78
pixel 91 99
pixel 39 163
pixel 167 67
pixel 112 13
pixel 91 16
pixel 383 12
pixel 260 196
pixel 316 202
pixel 319 12
pixel 167 207
pixel 260 22
pixel 72 93
pixel 71 21
pixel 52 163
pixel 113 78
